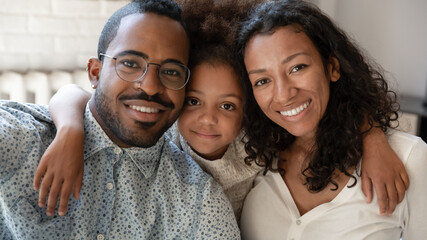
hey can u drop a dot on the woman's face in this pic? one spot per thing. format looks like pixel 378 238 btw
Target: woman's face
pixel 288 79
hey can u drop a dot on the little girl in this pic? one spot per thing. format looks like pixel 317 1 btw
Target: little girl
pixel 208 129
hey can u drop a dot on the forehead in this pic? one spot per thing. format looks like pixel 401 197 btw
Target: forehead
pixel 157 36
pixel 219 77
pixel 284 40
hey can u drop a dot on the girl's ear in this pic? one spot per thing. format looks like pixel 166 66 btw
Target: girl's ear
pixel 334 69
pixel 94 66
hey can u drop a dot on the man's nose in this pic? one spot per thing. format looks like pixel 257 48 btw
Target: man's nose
pixel 151 83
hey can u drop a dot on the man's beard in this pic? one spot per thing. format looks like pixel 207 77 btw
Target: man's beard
pixel 120 131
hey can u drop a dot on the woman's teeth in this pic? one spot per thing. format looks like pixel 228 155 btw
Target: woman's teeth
pixel 295 111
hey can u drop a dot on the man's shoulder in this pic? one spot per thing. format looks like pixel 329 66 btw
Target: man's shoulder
pixel 15 116
pixel 25 131
pixel 16 110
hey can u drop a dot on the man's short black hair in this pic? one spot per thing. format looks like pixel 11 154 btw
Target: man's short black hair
pixel 167 8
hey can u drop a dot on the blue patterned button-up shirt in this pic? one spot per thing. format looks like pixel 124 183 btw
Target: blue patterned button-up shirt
pixel 128 193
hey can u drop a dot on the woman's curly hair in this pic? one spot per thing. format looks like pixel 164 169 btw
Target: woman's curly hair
pixel 361 95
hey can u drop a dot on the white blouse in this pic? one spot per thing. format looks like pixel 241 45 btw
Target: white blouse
pixel 269 211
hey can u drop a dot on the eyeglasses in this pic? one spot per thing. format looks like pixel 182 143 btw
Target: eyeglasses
pixel 133 68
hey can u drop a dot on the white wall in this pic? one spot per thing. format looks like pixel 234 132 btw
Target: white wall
pixel 51 34
pixel 63 34
pixel 393 32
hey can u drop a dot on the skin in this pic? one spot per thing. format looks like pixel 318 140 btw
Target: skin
pixel 110 105
pixel 289 81
pixel 291 87
pixel 390 183
pixel 212 115
pixel 113 98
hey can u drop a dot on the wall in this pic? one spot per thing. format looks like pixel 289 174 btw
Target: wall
pixel 51 34
pixel 393 32
pixel 63 34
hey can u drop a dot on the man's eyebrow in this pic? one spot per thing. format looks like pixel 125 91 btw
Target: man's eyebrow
pixel 145 56
pixel 172 60
pixel 133 52
pixel 283 62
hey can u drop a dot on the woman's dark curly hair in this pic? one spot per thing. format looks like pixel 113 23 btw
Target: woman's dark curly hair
pixel 212 27
pixel 361 95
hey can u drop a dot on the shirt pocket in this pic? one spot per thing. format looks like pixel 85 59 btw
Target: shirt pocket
pixel 27 222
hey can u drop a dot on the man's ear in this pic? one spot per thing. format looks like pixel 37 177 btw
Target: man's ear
pixel 94 66
pixel 334 69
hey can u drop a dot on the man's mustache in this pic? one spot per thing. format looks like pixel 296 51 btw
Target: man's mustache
pixel 144 96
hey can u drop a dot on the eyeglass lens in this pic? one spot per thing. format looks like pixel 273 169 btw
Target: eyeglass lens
pixel 133 68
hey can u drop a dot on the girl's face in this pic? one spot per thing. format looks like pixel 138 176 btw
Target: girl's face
pixel 213 110
pixel 288 79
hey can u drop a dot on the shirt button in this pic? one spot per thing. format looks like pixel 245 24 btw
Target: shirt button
pixel 100 237
pixel 110 186
pixel 298 222
pixel 117 150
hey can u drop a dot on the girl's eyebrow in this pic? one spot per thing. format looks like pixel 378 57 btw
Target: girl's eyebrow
pixel 222 96
pixel 288 59
pixel 231 95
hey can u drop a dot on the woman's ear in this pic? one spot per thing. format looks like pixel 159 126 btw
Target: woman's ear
pixel 334 69
pixel 94 66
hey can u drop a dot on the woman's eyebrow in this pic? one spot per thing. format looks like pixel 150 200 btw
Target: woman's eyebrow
pixel 288 59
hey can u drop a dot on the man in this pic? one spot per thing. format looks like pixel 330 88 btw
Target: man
pixel 137 185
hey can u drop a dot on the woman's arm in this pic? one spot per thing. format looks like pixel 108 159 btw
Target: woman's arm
pixel 382 168
pixel 61 166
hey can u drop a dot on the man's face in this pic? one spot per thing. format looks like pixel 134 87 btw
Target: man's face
pixel 138 113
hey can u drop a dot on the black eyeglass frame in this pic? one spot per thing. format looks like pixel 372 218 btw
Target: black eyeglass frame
pixel 187 70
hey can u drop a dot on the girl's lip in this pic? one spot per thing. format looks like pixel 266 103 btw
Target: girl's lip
pixel 205 135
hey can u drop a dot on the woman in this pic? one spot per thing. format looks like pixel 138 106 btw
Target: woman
pixel 313 91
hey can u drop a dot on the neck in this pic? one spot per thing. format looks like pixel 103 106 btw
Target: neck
pixel 297 156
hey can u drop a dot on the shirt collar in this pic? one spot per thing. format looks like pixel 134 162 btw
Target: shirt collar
pixel 145 159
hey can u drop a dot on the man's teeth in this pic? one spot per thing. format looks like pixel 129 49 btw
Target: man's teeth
pixel 295 111
pixel 144 109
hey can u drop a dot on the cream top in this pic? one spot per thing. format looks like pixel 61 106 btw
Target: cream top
pixel 270 213
pixel 231 171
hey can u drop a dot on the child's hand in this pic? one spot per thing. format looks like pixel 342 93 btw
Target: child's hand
pixel 383 169
pixel 62 170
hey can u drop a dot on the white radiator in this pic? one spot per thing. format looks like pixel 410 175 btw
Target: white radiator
pixel 39 87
